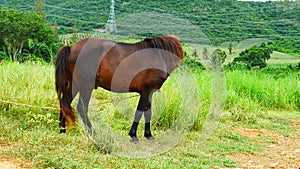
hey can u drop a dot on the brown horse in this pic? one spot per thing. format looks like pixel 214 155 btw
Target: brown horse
pixel 115 66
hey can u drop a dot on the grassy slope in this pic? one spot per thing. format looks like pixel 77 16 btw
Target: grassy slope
pixel 31 134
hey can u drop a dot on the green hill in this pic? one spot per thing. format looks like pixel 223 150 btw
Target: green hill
pixel 220 20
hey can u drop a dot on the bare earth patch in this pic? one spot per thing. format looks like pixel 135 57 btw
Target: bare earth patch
pixel 5 164
pixel 278 151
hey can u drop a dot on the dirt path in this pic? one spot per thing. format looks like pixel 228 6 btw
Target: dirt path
pixel 278 151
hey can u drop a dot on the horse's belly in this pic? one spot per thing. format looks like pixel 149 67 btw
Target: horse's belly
pixel 111 83
pixel 127 81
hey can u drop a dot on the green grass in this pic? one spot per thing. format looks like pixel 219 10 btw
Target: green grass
pixel 31 134
pixel 266 90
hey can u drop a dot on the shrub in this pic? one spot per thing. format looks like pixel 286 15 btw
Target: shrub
pixel 255 56
pixel 217 58
pixel 2 55
pixel 194 63
pixel 237 66
pixel 17 28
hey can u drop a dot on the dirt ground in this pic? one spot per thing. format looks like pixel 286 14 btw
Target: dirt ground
pixel 278 151
pixel 5 164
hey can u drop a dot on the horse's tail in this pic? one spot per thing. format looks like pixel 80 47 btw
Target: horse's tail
pixel 63 83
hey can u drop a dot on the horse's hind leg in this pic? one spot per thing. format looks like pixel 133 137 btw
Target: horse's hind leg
pixel 82 108
pixel 66 100
pixel 62 123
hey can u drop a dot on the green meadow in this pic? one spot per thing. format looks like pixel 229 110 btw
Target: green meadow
pixel 263 99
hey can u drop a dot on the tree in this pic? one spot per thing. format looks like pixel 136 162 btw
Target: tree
pixel 195 54
pixel 38 8
pixel 75 33
pixel 16 28
pixel 205 53
pixel 230 47
pixel 255 56
pixel 217 58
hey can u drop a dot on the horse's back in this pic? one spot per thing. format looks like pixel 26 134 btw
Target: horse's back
pixel 90 47
pixel 85 57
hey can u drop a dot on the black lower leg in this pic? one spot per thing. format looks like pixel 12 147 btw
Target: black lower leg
pixel 137 118
pixel 132 132
pixel 147 133
pixel 62 123
pixel 66 101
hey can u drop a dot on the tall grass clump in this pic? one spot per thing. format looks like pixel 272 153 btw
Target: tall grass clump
pixel 23 83
pixel 266 90
pixel 255 91
pixel 31 84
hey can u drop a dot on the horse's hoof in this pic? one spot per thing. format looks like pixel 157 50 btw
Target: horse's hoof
pixel 63 130
pixel 91 132
pixel 134 140
pixel 151 138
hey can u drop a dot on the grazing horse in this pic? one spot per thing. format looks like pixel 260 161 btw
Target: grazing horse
pixel 120 67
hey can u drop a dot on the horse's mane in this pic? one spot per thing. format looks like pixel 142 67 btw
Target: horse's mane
pixel 168 43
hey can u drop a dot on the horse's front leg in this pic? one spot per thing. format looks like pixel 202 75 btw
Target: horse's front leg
pixel 147 132
pixel 148 115
pixel 132 132
pixel 144 106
